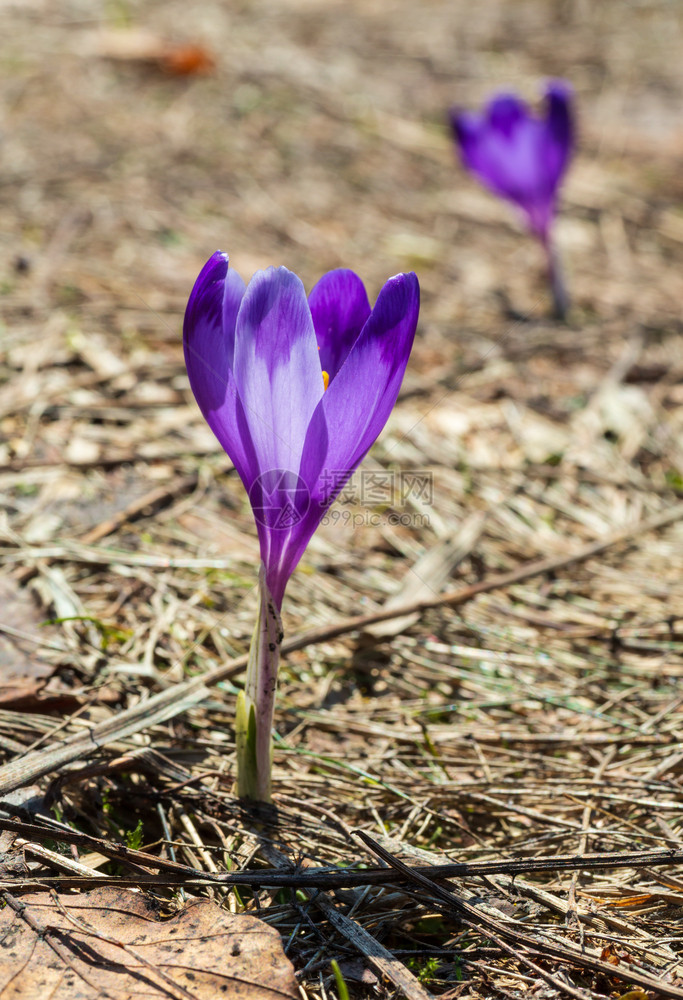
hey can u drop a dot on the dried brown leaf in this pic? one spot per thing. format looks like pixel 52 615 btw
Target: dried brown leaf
pixel 113 943
pixel 22 671
pixel 138 45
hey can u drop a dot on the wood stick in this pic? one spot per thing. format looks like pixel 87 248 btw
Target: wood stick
pixel 167 704
pixel 153 500
pixel 336 878
pixel 449 900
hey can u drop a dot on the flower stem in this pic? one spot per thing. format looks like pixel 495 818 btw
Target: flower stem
pixel 556 279
pixel 255 705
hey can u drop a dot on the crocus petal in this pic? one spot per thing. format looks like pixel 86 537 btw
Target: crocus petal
pixel 357 404
pixel 339 306
pixel 506 113
pixel 348 418
pixel 276 367
pixel 502 148
pixel 208 342
pixel 559 128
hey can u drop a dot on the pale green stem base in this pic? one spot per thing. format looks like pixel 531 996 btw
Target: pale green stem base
pixel 255 705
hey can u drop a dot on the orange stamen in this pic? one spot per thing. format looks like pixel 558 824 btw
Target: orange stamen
pixel 326 379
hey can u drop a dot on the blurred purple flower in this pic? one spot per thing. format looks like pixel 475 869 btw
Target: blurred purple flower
pixel 517 155
pixel 522 158
pixel 256 356
pixel 296 390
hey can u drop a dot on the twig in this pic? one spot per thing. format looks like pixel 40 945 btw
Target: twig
pixel 341 878
pixel 152 500
pixel 386 964
pixel 555 981
pixel 572 913
pixel 450 902
pixel 167 704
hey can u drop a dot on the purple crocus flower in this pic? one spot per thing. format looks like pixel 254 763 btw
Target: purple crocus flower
pixel 296 390
pixel 259 359
pixel 522 158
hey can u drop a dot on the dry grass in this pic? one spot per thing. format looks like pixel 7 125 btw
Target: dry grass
pixel 536 720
